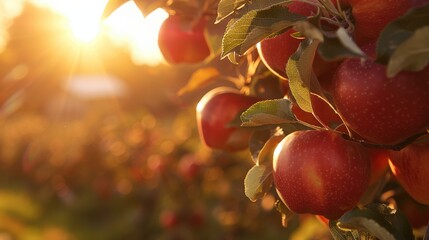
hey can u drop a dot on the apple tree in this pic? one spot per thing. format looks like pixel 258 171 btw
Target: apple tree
pixel 329 97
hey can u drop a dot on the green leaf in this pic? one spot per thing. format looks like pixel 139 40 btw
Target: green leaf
pixel 199 78
pixel 400 222
pixel 232 57
pixel 339 46
pixel 228 7
pixel 254 26
pixel 293 127
pixel 412 54
pixel 395 217
pixel 371 220
pixel 258 181
pixel 299 72
pixel 111 6
pixel 265 157
pixel 268 112
pixel 399 30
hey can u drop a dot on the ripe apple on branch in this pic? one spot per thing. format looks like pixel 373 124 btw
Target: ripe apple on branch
pixel 378 89
pixel 356 76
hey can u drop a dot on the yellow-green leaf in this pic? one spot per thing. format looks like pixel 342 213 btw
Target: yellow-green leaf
pixel 241 7
pixel 266 154
pixel 375 219
pixel 255 26
pixel 257 182
pixel 227 7
pixel 399 31
pixel 299 72
pixel 268 112
pixel 412 54
pixel 200 78
pixel 339 46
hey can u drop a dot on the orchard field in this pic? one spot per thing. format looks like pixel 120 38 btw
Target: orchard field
pixel 217 120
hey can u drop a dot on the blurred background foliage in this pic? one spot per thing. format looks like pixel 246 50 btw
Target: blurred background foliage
pixel 123 162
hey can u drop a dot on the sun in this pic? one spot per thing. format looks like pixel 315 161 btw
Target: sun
pixel 83 17
pixel 126 26
pixel 84 31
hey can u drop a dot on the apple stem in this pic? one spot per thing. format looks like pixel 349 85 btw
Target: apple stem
pixel 349 132
pixel 346 16
pixel 313 126
pixel 395 147
pixel 336 15
pixel 322 123
pixel 329 7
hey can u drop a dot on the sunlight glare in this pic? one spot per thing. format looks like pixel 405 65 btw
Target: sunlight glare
pixel 84 34
pixel 83 16
pixel 84 19
pixel 127 27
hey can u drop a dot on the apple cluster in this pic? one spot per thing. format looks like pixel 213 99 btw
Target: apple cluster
pixel 349 100
pixel 362 123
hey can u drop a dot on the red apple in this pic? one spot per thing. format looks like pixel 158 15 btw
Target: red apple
pixel 276 51
pixel 215 112
pixel 410 166
pixel 419 3
pixel 180 45
pixel 380 109
pixel 319 172
pixel 370 17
